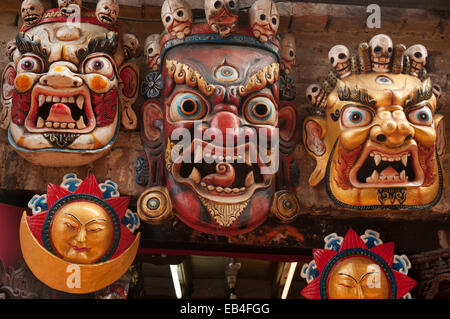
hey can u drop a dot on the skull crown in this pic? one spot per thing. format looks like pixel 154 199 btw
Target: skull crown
pixel 378 55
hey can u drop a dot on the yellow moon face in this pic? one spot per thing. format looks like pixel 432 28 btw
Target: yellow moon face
pixel 357 278
pixel 82 232
pixel 66 276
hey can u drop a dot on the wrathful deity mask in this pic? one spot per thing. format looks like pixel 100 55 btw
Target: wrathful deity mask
pixel 378 141
pixel 349 269
pixel 214 137
pixel 84 228
pixel 67 89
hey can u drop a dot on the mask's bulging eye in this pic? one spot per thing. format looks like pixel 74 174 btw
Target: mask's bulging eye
pixel 100 65
pixel 421 116
pixel 187 107
pixel 356 117
pixel 29 64
pixel 261 110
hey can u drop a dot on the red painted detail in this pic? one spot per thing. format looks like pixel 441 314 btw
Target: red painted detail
pixel 187 204
pixel 10 252
pixel 218 96
pixel 105 107
pixel 226 124
pixel 259 210
pixel 20 107
pixel 352 240
pixel 87 16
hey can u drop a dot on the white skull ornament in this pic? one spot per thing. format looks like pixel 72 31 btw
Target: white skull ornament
pixel 317 96
pixel 222 15
pixel 264 19
pixel 381 49
pixel 69 7
pixel 288 52
pixel 131 45
pixel 107 11
pixel 418 56
pixel 339 57
pixel 32 12
pixel 152 52
pixel 177 18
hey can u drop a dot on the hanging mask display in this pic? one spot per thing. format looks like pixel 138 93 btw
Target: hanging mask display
pixel 218 135
pixel 69 85
pixel 377 138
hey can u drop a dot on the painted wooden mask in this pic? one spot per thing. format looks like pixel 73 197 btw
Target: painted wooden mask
pixel 212 137
pixel 66 89
pixel 377 139
pixel 80 236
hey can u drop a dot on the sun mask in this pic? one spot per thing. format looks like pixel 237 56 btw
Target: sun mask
pixel 377 139
pixel 357 268
pixel 67 89
pixel 211 136
pixel 79 223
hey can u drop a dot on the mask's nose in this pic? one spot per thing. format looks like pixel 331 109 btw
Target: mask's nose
pixel 61 76
pixel 394 129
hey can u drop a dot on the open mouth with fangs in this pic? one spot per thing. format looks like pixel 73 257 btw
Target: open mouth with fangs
pixel 378 167
pixel 57 111
pixel 228 175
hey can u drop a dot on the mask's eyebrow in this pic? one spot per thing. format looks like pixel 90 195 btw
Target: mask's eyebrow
pixel 347 275
pixel 357 95
pixel 96 220
pixel 105 43
pixel 422 93
pixel 184 74
pixel 75 217
pixel 265 76
pixel 369 273
pixel 31 44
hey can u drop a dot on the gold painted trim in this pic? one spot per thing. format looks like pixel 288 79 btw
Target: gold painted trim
pixel 224 214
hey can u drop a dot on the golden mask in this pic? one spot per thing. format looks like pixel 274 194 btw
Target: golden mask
pixel 82 232
pixel 377 139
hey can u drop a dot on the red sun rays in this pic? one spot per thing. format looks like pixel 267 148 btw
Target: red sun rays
pixel 88 186
pixel 353 241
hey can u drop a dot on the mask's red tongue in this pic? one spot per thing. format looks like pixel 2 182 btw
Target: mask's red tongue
pixel 224 177
pixel 60 113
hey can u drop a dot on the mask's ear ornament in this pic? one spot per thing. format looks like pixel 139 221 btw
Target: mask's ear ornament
pixel 80 238
pixel 357 267
pixel 376 150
